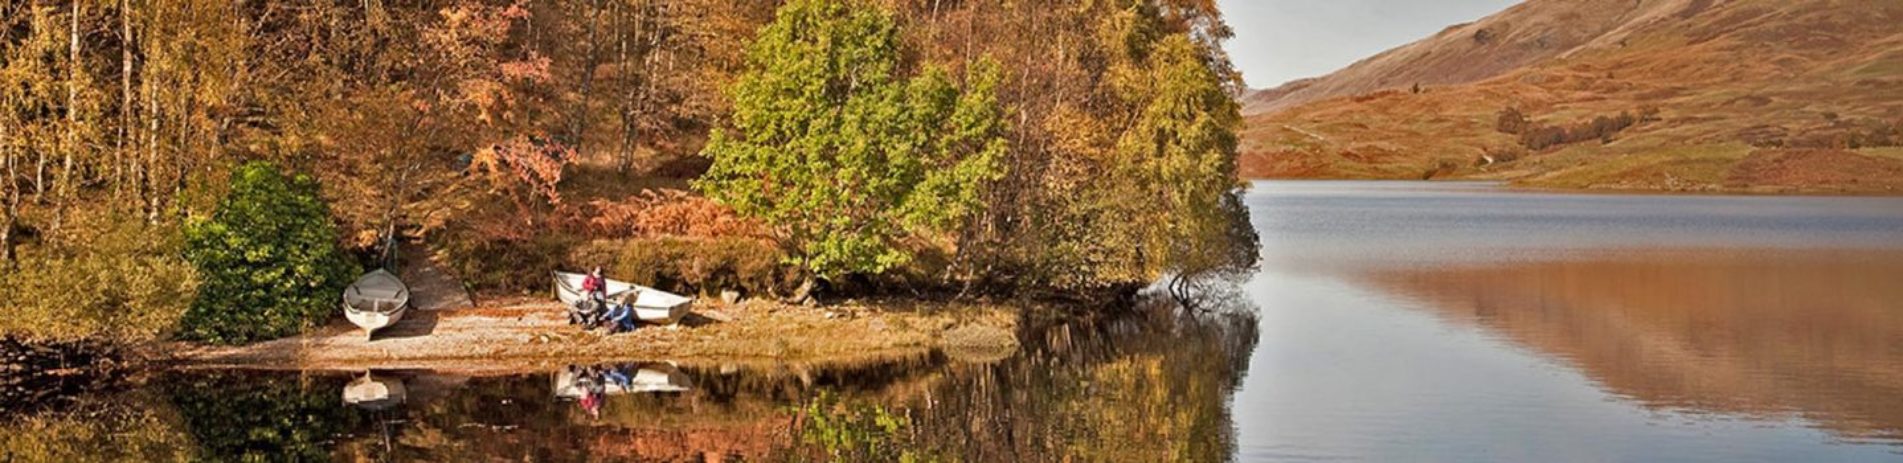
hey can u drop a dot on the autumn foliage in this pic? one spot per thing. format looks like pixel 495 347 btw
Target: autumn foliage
pixel 987 147
pixel 664 213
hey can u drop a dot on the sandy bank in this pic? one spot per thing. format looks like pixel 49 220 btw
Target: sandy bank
pixel 537 335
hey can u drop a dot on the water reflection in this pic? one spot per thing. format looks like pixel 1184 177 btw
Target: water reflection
pixel 1466 322
pixel 375 393
pixel 1817 335
pixel 1151 385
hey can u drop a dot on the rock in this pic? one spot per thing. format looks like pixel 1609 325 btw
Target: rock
pixel 730 297
pixel 718 316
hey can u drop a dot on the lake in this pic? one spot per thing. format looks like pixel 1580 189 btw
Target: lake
pixel 1389 322
pixel 1463 322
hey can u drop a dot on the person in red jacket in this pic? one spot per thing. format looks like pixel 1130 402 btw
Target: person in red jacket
pixel 594 290
pixel 594 286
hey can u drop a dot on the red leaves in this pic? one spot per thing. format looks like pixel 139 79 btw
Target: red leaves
pixel 525 166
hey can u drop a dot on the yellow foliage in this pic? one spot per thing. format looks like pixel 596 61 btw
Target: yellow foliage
pixel 116 279
pixel 122 434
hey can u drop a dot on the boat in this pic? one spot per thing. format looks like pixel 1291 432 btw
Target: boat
pixel 372 393
pixel 576 382
pixel 376 301
pixel 650 305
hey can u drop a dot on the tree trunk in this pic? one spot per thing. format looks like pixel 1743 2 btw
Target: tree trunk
pixel 12 190
pixel 124 144
pixel 579 133
pixel 147 191
pixel 6 238
pixel 64 191
pixel 804 294
pixel 39 175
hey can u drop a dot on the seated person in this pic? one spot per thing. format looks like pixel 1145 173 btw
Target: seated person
pixel 586 313
pixel 621 318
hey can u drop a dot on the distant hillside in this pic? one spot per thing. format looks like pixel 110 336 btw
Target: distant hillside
pixel 1757 95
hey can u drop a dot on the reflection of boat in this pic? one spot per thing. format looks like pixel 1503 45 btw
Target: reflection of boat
pixel 376 301
pixel 373 393
pixel 576 382
pixel 650 305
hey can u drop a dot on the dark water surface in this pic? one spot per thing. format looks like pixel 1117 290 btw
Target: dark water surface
pixel 1390 322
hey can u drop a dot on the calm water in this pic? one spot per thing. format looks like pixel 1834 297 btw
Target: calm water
pixel 1389 322
pixel 1437 322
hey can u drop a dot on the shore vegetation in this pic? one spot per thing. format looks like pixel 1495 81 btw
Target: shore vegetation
pixel 215 171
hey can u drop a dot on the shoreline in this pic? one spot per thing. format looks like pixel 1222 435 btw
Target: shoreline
pixel 537 336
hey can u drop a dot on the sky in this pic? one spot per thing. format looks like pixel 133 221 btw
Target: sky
pixel 1282 40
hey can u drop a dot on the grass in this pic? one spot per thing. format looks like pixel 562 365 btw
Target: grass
pixel 1894 153
pixel 1708 93
pixel 1694 167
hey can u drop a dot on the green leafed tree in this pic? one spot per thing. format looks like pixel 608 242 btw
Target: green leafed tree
pixel 1183 147
pixel 268 258
pixel 839 154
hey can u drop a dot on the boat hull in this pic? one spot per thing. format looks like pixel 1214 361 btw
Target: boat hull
pixel 661 315
pixel 373 321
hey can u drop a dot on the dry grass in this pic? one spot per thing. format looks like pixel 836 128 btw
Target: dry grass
pixel 1714 73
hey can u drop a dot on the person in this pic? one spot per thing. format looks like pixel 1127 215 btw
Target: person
pixel 589 309
pixel 621 319
pixel 594 286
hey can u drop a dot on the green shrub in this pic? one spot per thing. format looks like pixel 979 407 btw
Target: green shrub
pixel 124 283
pixel 268 257
pixel 691 266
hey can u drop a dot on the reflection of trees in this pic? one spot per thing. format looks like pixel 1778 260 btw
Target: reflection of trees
pixel 241 416
pixel 119 427
pixel 1153 386
pixel 1150 385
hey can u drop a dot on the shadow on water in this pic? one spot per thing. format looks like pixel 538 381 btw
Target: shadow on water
pixel 1154 384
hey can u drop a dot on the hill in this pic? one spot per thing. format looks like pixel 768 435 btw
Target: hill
pixel 1703 95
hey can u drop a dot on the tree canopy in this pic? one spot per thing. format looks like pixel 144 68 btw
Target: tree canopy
pixel 841 155
pixel 1070 147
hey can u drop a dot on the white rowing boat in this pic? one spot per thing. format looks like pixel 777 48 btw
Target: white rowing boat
pixel 376 301
pixel 650 305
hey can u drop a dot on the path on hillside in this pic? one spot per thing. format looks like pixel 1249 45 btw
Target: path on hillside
pixel 433 287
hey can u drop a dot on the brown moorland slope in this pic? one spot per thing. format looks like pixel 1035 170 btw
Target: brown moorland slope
pixel 1689 95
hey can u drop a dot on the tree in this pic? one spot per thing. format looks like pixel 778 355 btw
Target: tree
pixel 841 157
pixel 268 258
pixel 1181 152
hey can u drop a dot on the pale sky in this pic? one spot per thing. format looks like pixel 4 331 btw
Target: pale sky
pixel 1282 40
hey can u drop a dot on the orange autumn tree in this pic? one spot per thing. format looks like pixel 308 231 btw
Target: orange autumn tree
pixel 435 115
pixel 501 88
